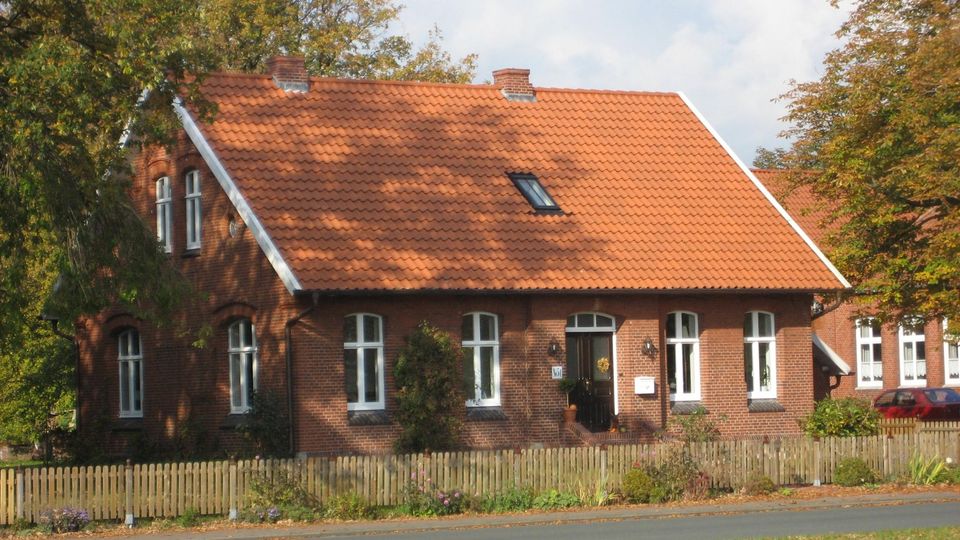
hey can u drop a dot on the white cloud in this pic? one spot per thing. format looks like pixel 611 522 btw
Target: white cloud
pixel 731 57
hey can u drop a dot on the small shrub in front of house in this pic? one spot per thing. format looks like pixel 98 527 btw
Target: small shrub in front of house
pixel 852 472
pixel 260 514
pixel 420 497
pixel 510 500
pixel 845 417
pixel 555 500
pixel 280 496
pixel 697 426
pixel 637 485
pixel 677 476
pixel 759 484
pixel 266 427
pixel 350 507
pixel 58 520
pixel 951 473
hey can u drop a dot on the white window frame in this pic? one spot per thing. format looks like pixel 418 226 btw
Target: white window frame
pixel 869 365
pixel 245 353
pixel 360 345
pixel 676 343
pixel 754 342
pixel 165 213
pixel 476 343
pixel 909 337
pixel 193 209
pixel 951 355
pixel 134 363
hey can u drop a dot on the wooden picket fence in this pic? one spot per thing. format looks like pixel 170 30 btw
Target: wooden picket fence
pixel 126 492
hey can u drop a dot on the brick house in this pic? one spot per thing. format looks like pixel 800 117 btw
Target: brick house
pixel 609 237
pixel 858 356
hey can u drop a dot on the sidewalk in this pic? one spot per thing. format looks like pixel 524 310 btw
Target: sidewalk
pixel 409 526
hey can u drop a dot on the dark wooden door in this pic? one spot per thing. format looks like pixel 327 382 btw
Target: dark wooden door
pixel 590 362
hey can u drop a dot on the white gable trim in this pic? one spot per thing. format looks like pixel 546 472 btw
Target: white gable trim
pixel 831 354
pixel 746 170
pixel 239 202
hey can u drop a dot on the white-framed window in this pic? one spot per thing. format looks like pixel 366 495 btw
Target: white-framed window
pixel 363 361
pixel 480 335
pixel 760 355
pixel 951 357
pixel 130 359
pixel 242 348
pixel 913 353
pixel 164 213
pixel 590 322
pixel 193 209
pixel 683 356
pixel 869 354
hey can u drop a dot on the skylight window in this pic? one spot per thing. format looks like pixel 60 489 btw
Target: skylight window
pixel 531 188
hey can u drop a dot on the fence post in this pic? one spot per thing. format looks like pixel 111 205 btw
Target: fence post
pixel 603 464
pixel 20 496
pixel 233 489
pixel 128 494
pixel 816 462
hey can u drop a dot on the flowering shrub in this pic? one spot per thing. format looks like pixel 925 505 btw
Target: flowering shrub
pixel 64 519
pixel 422 498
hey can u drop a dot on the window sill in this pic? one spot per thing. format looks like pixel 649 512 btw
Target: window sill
pixel 128 423
pixel 764 405
pixel 368 418
pixel 233 421
pixel 877 387
pixel 485 414
pixel 913 385
pixel 190 253
pixel 686 407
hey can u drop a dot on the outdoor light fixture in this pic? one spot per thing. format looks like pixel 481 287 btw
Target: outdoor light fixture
pixel 648 348
pixel 553 349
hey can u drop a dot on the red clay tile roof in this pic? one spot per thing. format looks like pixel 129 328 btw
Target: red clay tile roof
pixel 388 186
pixel 804 207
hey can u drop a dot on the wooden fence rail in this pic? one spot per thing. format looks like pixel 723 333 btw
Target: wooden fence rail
pixel 126 492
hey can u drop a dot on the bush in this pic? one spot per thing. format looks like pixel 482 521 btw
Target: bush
pixel 189 518
pixel 555 500
pixel 511 500
pixel 637 485
pixel 266 426
pixel 759 485
pixel 282 490
pixel 950 475
pixel 846 417
pixel 853 472
pixel 57 520
pixel 350 507
pixel 429 378
pixel 673 477
pixel 925 472
pixel 697 426
pixel 260 514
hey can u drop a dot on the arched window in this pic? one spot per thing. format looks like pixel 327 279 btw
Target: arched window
pixel 869 354
pixel 363 361
pixel 760 355
pixel 683 356
pixel 480 335
pixel 192 199
pixel 130 359
pixel 242 348
pixel 913 353
pixel 164 214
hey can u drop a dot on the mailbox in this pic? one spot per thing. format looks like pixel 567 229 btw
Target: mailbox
pixel 643 385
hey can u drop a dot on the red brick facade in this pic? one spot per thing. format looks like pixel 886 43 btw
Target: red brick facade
pixel 186 391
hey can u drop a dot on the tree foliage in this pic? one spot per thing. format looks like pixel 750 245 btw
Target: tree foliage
pixel 844 417
pixel 429 377
pixel 881 131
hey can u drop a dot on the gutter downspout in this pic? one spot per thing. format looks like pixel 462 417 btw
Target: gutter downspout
pixel 288 337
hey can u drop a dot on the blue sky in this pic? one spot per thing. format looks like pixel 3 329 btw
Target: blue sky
pixel 731 57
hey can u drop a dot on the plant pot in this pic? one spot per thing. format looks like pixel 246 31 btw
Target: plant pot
pixel 570 414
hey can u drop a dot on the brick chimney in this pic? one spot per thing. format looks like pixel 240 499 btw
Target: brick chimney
pixel 289 73
pixel 515 84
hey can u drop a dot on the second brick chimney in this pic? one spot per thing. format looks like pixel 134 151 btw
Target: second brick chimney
pixel 515 84
pixel 289 73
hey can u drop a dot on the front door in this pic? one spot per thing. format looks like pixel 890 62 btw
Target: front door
pixel 590 363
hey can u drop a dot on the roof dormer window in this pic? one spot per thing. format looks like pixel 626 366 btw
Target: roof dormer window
pixel 531 188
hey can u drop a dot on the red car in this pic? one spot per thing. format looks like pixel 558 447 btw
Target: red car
pixel 924 403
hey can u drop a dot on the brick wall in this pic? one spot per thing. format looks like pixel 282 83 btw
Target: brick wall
pixel 186 392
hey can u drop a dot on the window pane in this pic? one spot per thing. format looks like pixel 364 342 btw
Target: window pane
pixel 137 386
pixel 350 329
pixel 466 329
pixel 908 352
pixel 921 350
pixel 250 378
pixel 687 367
pixel 688 325
pixel 672 325
pixel 486 372
pixel 488 328
pixel 672 368
pixel 468 373
pixel 602 360
pixel 765 321
pixel 572 321
pixel 371 376
pixel 371 329
pixel 604 321
pixel 246 333
pixel 350 375
pixel 585 320
pixel 235 370
pixel 134 343
pixel 748 365
pixel 765 363
pixel 573 367
pixel 124 344
pixel 125 386
pixel 234 336
pixel 748 325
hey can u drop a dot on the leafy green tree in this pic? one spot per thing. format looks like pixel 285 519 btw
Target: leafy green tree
pixel 429 378
pixel 881 131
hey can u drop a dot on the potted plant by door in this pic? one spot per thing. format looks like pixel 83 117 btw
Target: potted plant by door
pixel 569 413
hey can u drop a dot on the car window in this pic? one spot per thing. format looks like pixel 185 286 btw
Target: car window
pixel 885 400
pixel 906 399
pixel 942 395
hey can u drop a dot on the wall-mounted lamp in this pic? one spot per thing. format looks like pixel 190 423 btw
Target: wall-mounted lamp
pixel 648 348
pixel 553 349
